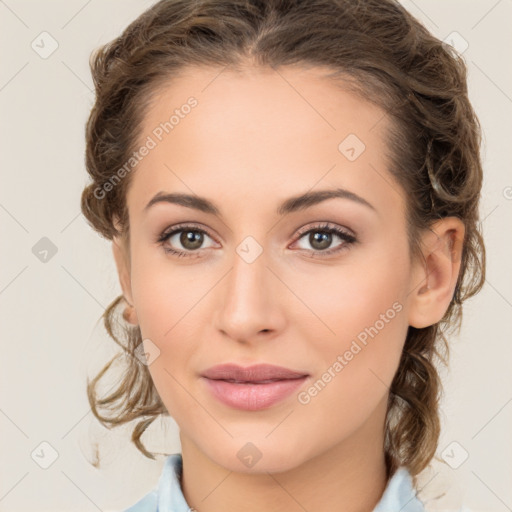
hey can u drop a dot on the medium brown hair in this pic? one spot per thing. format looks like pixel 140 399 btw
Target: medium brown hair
pixel 376 49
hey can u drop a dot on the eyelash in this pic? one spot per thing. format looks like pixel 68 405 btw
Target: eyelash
pixel 324 228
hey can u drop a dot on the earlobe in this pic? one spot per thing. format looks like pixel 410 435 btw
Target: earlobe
pixel 130 315
pixel 435 276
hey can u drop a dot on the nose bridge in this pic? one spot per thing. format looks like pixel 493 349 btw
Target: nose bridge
pixel 247 281
pixel 248 304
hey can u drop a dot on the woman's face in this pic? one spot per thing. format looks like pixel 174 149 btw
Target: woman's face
pixel 259 279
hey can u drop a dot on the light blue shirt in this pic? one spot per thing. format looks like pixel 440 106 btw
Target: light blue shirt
pixel 399 495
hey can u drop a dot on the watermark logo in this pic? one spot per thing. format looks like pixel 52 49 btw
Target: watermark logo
pixel 249 249
pixel 147 352
pixel 249 454
pixel 44 250
pixel 44 45
pixel 351 147
pixel 44 455
pixel 454 455
pixel 456 41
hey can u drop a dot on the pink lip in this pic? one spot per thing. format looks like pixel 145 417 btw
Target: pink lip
pixel 254 387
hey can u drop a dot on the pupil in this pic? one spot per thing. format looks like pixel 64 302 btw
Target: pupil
pixel 323 238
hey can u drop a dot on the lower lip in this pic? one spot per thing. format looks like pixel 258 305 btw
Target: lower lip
pixel 253 397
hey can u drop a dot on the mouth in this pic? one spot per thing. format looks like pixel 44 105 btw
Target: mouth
pixel 252 388
pixel 258 373
pixel 254 381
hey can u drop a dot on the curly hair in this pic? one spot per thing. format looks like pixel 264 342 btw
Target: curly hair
pixel 376 49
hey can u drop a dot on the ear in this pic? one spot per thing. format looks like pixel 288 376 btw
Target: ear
pixel 434 278
pixel 121 254
pixel 123 267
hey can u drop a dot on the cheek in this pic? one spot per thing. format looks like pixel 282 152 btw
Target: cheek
pixel 361 315
pixel 355 371
pixel 159 292
pixel 163 319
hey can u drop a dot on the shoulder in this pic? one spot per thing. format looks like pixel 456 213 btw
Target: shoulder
pixel 400 494
pixel 167 494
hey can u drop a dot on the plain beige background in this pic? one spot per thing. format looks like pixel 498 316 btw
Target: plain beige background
pixel 50 302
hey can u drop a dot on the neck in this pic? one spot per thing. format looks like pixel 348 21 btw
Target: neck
pixel 350 476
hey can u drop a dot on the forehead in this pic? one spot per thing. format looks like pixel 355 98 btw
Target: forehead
pixel 262 132
pixel 266 101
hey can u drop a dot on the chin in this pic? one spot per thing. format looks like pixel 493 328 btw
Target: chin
pixel 257 456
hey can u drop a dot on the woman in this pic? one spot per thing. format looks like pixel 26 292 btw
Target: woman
pixel 292 190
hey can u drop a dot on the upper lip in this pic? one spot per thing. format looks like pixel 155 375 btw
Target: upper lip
pixel 255 373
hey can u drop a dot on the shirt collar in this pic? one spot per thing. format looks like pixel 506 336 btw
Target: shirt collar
pixel 399 495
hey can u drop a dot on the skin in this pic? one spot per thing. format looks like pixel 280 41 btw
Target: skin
pixel 255 139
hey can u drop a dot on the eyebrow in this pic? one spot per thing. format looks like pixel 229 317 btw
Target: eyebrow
pixel 293 204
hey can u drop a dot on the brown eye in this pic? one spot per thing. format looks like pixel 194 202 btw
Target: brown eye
pixel 183 240
pixel 322 237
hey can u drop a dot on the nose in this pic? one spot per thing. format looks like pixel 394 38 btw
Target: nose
pixel 249 307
